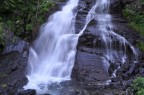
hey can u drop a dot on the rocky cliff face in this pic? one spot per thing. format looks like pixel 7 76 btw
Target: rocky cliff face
pixel 88 67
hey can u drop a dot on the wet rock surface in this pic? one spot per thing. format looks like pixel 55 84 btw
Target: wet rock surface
pixel 90 53
pixel 12 72
pixel 27 92
pixel 13 61
pixel 18 45
pixel 88 63
pixel 13 43
pixel 89 68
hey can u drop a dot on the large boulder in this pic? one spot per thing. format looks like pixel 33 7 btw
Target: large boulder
pixel 89 68
pixel 14 43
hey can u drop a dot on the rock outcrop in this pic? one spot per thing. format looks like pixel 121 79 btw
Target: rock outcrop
pixel 12 72
pixel 13 61
pixel 88 64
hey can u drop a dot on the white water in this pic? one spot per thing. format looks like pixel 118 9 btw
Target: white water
pixel 52 57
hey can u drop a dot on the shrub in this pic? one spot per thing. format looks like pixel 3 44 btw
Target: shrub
pixel 24 17
pixel 135 16
pixel 138 85
pixel 140 45
pixel 140 92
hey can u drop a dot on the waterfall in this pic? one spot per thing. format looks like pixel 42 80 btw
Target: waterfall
pixel 113 54
pixel 52 56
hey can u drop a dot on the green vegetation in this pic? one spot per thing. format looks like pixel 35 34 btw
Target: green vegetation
pixel 2 42
pixel 136 20
pixel 3 85
pixel 1 33
pixel 135 15
pixel 23 17
pixel 140 92
pixel 138 86
pixel 140 45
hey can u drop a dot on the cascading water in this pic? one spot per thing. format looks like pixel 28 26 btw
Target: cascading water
pixel 113 54
pixel 51 59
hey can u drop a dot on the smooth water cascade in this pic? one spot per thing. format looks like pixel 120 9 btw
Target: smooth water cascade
pixel 52 57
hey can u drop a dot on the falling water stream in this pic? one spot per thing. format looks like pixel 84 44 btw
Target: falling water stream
pixel 107 35
pixel 100 14
pixel 52 56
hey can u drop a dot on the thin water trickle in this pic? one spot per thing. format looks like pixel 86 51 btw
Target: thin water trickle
pixel 100 13
pixel 105 27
